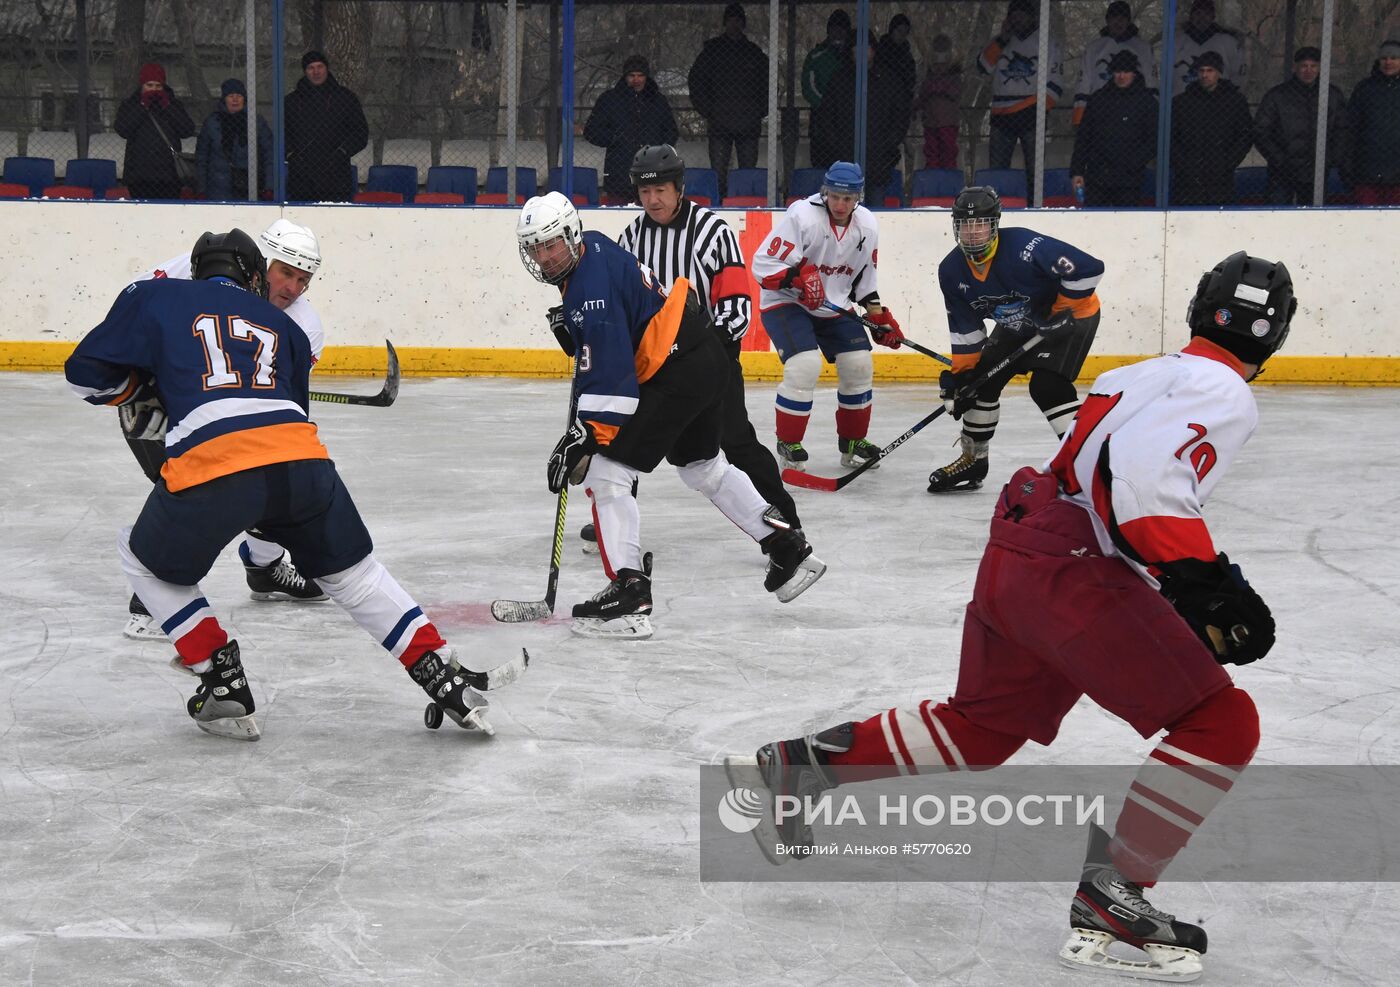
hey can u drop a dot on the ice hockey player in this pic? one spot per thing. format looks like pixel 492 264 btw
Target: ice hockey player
pixel 1025 283
pixel 676 238
pixel 825 247
pixel 293 257
pixel 229 372
pixel 1101 579
pixel 650 381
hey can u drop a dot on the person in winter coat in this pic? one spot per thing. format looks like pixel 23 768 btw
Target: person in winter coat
pixel 1285 130
pixel 729 88
pixel 1374 122
pixel 153 121
pixel 1118 33
pixel 1211 134
pixel 833 124
pixel 628 117
pixel 1200 34
pixel 221 155
pixel 825 59
pixel 1117 137
pixel 325 128
pixel 939 99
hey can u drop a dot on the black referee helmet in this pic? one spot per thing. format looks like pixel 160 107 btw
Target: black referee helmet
pixel 657 164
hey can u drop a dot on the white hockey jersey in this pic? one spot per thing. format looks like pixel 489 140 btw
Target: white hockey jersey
pixel 1188 49
pixel 1149 445
pixel 300 310
pixel 1093 71
pixel 1013 70
pixel 845 256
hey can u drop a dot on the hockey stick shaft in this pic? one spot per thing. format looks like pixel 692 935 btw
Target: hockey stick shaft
pixel 800 479
pixel 383 399
pixel 876 329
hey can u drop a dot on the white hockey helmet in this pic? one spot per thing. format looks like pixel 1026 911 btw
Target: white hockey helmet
pixel 544 220
pixel 291 244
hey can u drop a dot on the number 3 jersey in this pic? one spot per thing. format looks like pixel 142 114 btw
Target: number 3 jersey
pixel 845 256
pixel 1149 445
pixel 232 371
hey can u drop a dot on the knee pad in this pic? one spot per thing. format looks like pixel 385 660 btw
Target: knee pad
pixel 704 475
pixel 855 372
pixel 608 479
pixel 1223 729
pixel 800 373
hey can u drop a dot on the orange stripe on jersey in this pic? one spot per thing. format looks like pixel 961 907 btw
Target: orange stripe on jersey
pixel 131 385
pixel 1164 539
pixel 728 282
pixel 243 450
pixel 1200 346
pixel 1021 104
pixel 661 332
pixel 1080 308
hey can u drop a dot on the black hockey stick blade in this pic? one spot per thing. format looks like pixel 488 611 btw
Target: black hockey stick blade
pixel 524 611
pixel 383 399
pixel 504 674
pixel 875 330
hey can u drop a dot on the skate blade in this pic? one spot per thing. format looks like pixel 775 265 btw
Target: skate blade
pixel 633 627
pixel 809 570
pixel 590 548
pixel 743 772
pixel 231 727
pixel 277 596
pixel 142 628
pixel 851 462
pixel 788 464
pixel 1088 948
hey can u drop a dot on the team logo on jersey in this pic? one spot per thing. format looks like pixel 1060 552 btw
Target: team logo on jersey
pixel 1063 266
pixel 1222 316
pixel 962 286
pixel 1019 67
pixel 577 316
pixel 1010 310
pixel 594 304
pixel 1260 328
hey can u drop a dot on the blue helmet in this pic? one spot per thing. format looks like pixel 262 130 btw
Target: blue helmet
pixel 844 177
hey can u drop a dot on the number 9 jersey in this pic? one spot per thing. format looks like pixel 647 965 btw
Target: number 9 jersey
pixel 231 369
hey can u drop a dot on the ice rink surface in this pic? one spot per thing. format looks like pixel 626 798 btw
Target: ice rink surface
pixel 353 846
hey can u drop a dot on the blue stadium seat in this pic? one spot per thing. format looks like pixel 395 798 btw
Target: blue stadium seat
pixel 893 196
pixel 496 180
pixel 702 183
pixel 805 182
pixel 1010 183
pixel 402 179
pixel 1336 193
pixel 585 184
pixel 1149 188
pixel 1059 191
pixel 748 181
pixel 935 186
pixel 98 174
pixel 1251 186
pixel 37 173
pixel 453 178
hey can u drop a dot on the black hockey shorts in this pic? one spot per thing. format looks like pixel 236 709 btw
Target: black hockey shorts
pixel 301 505
pixel 1063 354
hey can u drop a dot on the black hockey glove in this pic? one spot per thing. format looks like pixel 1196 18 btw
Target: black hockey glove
pixel 142 416
pixel 569 461
pixel 957 391
pixel 560 330
pixel 1222 608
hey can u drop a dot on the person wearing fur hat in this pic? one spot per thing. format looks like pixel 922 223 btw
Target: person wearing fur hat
pixel 325 127
pixel 153 121
pixel 1117 137
pixel 222 153
pixel 631 115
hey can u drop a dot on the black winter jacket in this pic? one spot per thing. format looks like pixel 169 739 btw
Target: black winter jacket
pixel 1211 134
pixel 625 121
pixel 1285 129
pixel 148 155
pixel 1374 115
pixel 1117 138
pixel 325 128
pixel 729 84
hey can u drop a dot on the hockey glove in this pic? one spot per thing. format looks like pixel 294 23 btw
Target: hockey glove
pixel 143 416
pixel 569 461
pixel 1222 608
pixel 888 333
pixel 1058 322
pixel 957 391
pixel 560 330
pixel 809 283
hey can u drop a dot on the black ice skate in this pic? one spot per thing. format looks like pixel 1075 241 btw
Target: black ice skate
pixel 858 452
pixel 790 768
pixel 589 534
pixel 792 568
pixel 1109 908
pixel 622 610
pixel 964 473
pixel 445 682
pixel 223 703
pixel 279 581
pixel 791 456
pixel 140 625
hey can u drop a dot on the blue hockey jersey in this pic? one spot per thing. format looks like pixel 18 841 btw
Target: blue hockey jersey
pixel 231 369
pixel 624 326
pixel 1028 277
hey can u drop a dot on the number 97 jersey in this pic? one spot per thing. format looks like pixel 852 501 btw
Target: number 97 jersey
pixel 845 256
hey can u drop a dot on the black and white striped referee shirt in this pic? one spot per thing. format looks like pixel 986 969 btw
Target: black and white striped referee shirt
pixel 701 247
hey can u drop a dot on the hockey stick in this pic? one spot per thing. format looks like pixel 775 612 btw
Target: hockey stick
pixel 383 399
pixel 876 329
pixel 503 674
pixel 800 479
pixel 521 611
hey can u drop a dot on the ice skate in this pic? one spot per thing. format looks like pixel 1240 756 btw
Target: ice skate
pixel 140 625
pixel 791 456
pixel 622 610
pixel 858 452
pixel 787 768
pixel 589 535
pixel 223 703
pixel 792 568
pixel 1108 909
pixel 445 682
pixel 964 473
pixel 279 581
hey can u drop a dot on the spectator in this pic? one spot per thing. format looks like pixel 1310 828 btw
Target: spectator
pixel 729 88
pixel 325 128
pixel 1117 137
pixel 1211 134
pixel 1119 33
pixel 1285 130
pixel 833 124
pixel 1200 34
pixel 823 60
pixel 153 121
pixel 939 100
pixel 896 61
pixel 1375 131
pixel 1012 60
pixel 628 117
pixel 222 152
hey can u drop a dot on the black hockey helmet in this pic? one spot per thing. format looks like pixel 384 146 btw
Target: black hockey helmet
pixel 656 164
pixel 233 255
pixel 976 220
pixel 1244 304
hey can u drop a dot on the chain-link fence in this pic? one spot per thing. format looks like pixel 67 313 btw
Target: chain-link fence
pixel 1162 104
